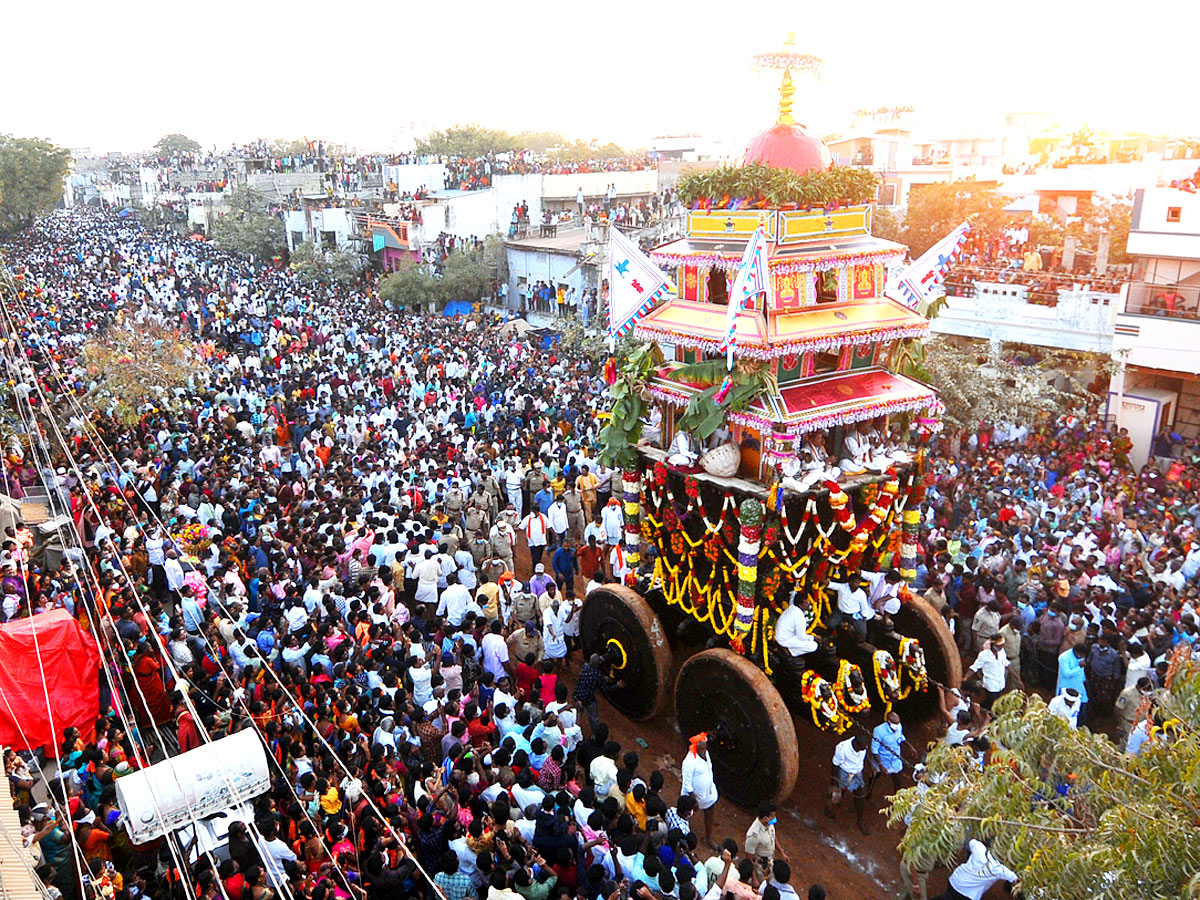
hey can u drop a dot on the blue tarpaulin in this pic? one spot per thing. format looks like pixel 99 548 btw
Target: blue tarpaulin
pixel 459 308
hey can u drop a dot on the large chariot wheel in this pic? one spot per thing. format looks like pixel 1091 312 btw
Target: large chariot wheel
pixel 751 736
pixel 617 623
pixel 917 618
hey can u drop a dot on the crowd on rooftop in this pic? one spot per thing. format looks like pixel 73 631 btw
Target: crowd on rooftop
pixel 1011 258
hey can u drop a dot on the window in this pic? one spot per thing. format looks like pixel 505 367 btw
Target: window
pixel 827 286
pixel 1174 213
pixel 823 363
pixel 718 287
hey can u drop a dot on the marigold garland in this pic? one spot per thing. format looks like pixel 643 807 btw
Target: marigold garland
pixel 844 688
pixel 887 678
pixel 912 667
pixel 822 703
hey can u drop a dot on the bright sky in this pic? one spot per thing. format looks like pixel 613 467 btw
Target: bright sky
pixel 119 75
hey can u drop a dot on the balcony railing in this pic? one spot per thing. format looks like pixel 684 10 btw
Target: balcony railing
pixel 1164 301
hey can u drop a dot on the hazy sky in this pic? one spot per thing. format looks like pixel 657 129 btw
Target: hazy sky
pixel 118 75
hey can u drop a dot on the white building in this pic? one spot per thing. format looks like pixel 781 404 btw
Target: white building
pixel 568 259
pixel 1157 329
pixel 1078 319
pixel 326 227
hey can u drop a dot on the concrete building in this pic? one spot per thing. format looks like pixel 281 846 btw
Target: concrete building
pixel 1157 326
pixel 328 227
pixel 569 259
pixel 1080 319
pixel 904 159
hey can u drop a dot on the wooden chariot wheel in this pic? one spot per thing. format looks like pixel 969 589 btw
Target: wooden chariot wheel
pixel 917 618
pixel 618 624
pixel 751 736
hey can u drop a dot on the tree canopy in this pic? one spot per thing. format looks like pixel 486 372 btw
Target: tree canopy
pixel 31 180
pixel 934 210
pixel 1072 814
pixel 410 287
pixel 248 227
pixel 326 266
pixel 464 276
pixel 468 140
pixel 171 144
pixel 129 367
pixel 976 382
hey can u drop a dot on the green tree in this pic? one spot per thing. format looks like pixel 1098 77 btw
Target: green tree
pixel 1112 215
pixel 539 141
pixel 248 227
pixel 463 277
pixel 1045 231
pixel 934 210
pixel 887 225
pixel 495 257
pixel 977 381
pixel 174 144
pixel 31 180
pixel 410 287
pixel 289 147
pixel 467 140
pixel 326 266
pixel 1074 816
pixel 128 368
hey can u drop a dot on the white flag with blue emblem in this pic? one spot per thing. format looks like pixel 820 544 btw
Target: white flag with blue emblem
pixel 750 281
pixel 634 283
pixel 918 281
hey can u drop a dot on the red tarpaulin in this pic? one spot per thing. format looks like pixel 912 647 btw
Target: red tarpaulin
pixel 70 658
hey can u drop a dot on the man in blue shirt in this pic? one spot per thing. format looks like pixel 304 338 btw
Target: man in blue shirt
pixel 887 742
pixel 1071 675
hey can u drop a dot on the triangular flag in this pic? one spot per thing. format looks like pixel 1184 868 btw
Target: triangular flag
pixel 917 282
pixel 750 280
pixel 634 283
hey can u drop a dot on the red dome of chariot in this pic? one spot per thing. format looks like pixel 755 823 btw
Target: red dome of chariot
pixel 788 146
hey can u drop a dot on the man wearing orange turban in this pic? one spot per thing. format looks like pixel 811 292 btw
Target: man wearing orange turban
pixel 698 781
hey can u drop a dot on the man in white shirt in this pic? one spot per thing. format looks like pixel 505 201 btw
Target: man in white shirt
pixel 494 651
pixel 456 602
pixel 173 571
pixel 1066 706
pixel 791 629
pixel 697 777
pixel 852 605
pixel 274 853
pixel 992 663
pixel 981 870
pixel 884 591
pixel 849 763
pixel 536 527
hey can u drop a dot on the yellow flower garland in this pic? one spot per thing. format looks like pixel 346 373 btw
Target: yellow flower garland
pixel 842 688
pixel 877 659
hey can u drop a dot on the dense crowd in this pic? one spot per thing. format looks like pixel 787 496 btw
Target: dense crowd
pixel 369 535
pixel 319 537
pixel 1011 257
pixel 1063 568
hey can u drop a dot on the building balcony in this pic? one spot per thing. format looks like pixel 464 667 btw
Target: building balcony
pixel 1075 318
pixel 1158 327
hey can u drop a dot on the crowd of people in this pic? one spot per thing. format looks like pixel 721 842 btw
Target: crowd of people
pixel 369 536
pixel 1064 569
pixel 319 537
pixel 1011 257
